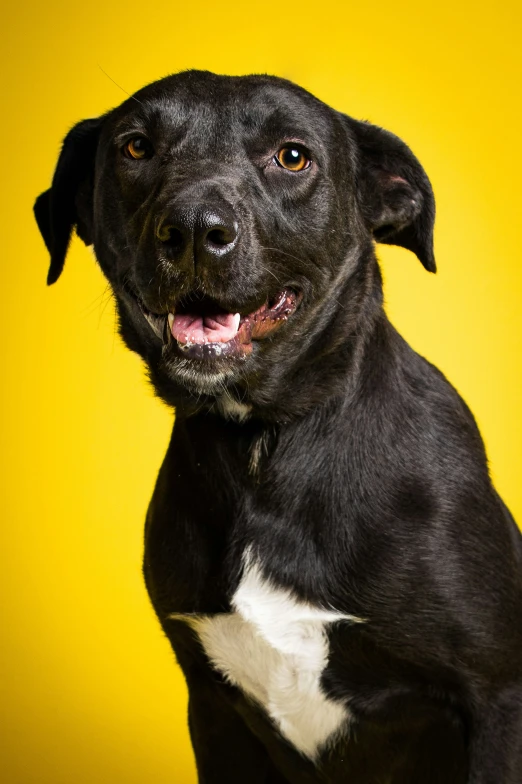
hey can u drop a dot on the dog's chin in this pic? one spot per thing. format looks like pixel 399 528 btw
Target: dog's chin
pixel 205 348
pixel 200 378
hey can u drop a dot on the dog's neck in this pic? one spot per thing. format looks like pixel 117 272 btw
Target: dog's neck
pixel 239 438
pixel 256 478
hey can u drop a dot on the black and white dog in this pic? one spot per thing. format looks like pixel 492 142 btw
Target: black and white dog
pixel 339 580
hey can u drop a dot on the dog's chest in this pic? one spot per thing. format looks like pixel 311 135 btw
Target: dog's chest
pixel 275 648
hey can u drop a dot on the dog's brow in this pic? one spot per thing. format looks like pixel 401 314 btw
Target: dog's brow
pixel 277 128
pixel 130 125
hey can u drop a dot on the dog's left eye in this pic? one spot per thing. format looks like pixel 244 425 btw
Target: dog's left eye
pixel 138 148
pixel 292 158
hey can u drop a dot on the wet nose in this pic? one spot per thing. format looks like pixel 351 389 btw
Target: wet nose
pixel 204 230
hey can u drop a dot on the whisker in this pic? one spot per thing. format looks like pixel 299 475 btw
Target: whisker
pixel 104 307
pixel 119 86
pixel 270 272
pixel 285 253
pixel 307 263
pixel 91 307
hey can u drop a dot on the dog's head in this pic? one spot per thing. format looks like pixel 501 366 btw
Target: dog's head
pixel 234 218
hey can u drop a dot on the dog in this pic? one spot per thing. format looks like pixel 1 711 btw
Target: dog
pixel 338 578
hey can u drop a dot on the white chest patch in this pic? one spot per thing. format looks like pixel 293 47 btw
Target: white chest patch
pixel 231 409
pixel 274 648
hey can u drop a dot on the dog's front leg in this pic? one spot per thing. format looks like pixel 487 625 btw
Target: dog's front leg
pixel 496 740
pixel 224 747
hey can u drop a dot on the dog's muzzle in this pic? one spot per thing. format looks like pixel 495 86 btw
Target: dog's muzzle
pixel 196 240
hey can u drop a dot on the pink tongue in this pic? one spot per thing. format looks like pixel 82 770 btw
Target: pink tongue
pixel 220 328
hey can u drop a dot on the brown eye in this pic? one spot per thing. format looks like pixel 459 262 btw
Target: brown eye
pixel 293 159
pixel 138 148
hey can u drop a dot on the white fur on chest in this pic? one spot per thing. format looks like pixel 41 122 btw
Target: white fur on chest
pixel 274 648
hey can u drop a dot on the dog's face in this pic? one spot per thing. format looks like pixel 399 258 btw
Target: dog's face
pixel 234 218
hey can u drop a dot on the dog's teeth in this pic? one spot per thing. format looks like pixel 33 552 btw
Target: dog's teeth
pixel 171 320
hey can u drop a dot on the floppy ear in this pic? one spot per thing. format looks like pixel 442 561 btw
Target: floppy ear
pixel 68 202
pixel 395 194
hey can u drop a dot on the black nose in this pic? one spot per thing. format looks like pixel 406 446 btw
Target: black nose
pixel 203 230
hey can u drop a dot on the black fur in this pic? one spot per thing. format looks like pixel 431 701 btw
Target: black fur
pixel 359 480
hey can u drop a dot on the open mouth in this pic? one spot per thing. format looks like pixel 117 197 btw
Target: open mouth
pixel 202 329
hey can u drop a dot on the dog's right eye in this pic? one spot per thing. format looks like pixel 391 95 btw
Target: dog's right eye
pixel 138 148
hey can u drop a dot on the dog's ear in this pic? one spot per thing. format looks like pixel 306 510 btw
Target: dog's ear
pixel 68 202
pixel 394 192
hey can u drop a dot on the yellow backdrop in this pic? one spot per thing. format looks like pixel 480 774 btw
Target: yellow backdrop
pixel 90 692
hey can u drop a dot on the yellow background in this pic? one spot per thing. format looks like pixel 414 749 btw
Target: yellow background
pixel 89 690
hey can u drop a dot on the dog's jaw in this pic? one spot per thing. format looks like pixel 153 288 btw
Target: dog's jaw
pixel 204 347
